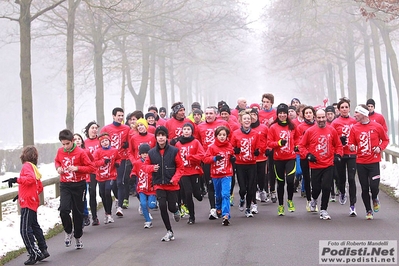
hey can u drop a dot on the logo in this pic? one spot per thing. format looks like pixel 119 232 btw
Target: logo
pixel 358 252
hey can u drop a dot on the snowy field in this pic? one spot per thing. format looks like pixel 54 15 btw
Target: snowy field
pixel 48 216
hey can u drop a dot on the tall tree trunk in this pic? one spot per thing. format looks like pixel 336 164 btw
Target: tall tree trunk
pixel 99 80
pixel 172 80
pixel 145 72
pixel 162 79
pixel 332 92
pixel 367 59
pixel 378 68
pixel 351 61
pixel 70 115
pixel 25 72
pixel 152 73
pixel 341 79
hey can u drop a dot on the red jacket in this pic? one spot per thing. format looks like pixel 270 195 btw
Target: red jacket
pixel 223 167
pixel 29 187
pixel 106 171
pixel 119 135
pixel 366 137
pixel 301 128
pixel 343 126
pixel 91 145
pixel 207 131
pixel 144 179
pixel 379 118
pixel 135 142
pixel 277 132
pixel 247 143
pixel 323 143
pixel 76 157
pixel 264 116
pixel 191 154
pixel 175 127
pixel 262 130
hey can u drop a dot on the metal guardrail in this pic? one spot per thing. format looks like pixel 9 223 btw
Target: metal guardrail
pixel 14 192
pixel 390 155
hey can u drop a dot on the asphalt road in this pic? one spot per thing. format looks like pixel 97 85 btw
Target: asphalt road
pixel 265 239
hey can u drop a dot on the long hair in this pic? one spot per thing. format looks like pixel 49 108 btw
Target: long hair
pixel 29 154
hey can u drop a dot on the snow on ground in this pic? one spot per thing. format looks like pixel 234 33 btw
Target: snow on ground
pixel 48 215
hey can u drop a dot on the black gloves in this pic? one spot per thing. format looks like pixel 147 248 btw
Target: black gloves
pixel 218 157
pixel 106 161
pixel 311 158
pixel 10 181
pixel 296 149
pixel 237 150
pixel 282 142
pixel 268 152
pixel 232 159
pixel 337 158
pixel 15 198
pixel 125 145
pixel 116 165
pixel 256 152
pixel 343 140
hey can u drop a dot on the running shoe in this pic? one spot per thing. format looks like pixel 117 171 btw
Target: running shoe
pixel 110 219
pixel 291 206
pixel 176 216
pixel 241 206
pixel 225 221
pixel 280 210
pixel 257 196
pixel 212 214
pixel 169 236
pixel 324 215
pixel 376 205
pixel 248 213
pixel 308 205
pixel 342 198
pixel 313 205
pixel 352 211
pixel 254 208
pixel 274 197
pixel 191 221
pixel 125 204
pixel 147 225
pixel 78 243
pixel 68 238
pixel 183 210
pixel 95 221
pixel 369 215
pixel 332 198
pixel 86 220
pixel 119 212
pixel 140 210
pixel 263 196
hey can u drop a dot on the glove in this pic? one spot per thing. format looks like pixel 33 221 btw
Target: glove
pixel 106 161
pixel 237 150
pixel 256 152
pixel 343 140
pixel 10 181
pixel 282 142
pixel 337 158
pixel 232 159
pixel 174 141
pixel 296 149
pixel 268 152
pixel 15 198
pixel 218 157
pixel 116 165
pixel 311 158
pixel 125 145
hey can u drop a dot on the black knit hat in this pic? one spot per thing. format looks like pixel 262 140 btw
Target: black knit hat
pixel 282 107
pixel 147 115
pixel 144 148
pixel 225 108
pixel 161 130
pixel 153 107
pixel 370 101
pixel 255 111
pixel 188 124
pixel 292 107
pixel 330 108
pixel 196 105
pixel 162 109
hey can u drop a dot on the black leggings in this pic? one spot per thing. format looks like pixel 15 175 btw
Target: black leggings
pixel 321 183
pixel 348 164
pixel 369 178
pixel 93 195
pixel 285 172
pixel 191 186
pixel 270 174
pixel 167 199
pixel 306 177
pixel 246 176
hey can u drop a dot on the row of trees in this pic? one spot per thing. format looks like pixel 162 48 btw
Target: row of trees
pixel 331 44
pixel 141 45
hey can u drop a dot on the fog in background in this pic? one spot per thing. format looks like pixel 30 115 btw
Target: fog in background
pixel 257 58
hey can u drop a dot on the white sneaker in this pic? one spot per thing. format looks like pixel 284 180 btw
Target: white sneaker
pixel 168 237
pixel 68 238
pixel 258 195
pixel 150 215
pixel 140 210
pixel 313 205
pixel 254 208
pixel 308 206
pixel 352 211
pixel 147 224
pixel 324 215
pixel 212 214
pixel 110 219
pixel 263 196
pixel 106 219
pixel 119 212
pixel 79 243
